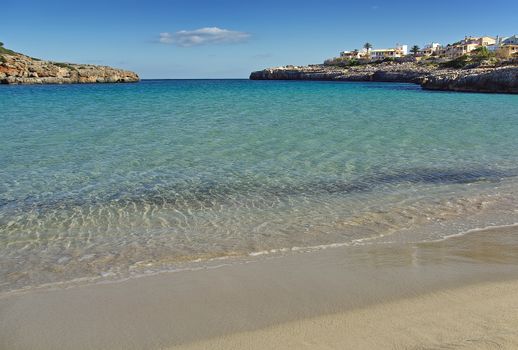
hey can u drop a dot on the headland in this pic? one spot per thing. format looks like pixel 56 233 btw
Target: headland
pixel 495 79
pixel 17 68
pixel 474 64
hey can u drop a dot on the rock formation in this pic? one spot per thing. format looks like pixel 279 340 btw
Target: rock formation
pixel 483 79
pixel 16 68
pixel 503 80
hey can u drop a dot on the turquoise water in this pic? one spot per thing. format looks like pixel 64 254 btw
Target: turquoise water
pixel 107 181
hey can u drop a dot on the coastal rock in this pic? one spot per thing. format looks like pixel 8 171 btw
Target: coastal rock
pixel 488 79
pixel 20 69
pixel 404 72
pixel 503 79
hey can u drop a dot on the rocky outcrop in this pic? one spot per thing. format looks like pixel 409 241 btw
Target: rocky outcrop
pixel 404 72
pixel 494 79
pixel 501 80
pixel 20 69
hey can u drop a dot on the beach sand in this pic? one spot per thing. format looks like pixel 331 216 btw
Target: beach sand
pixel 482 316
pixel 458 293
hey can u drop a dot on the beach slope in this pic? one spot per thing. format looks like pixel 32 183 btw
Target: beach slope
pixel 482 316
pixel 456 293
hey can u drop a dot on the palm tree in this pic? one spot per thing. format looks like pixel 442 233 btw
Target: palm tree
pixel 415 50
pixel 367 46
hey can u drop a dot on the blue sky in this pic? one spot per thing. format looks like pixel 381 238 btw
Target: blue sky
pixel 228 39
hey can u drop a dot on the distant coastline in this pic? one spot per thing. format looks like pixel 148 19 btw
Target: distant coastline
pixel 16 68
pixel 473 64
pixel 489 79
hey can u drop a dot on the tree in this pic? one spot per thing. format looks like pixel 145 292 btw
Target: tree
pixel 1 44
pixel 367 46
pixel 415 50
pixel 482 53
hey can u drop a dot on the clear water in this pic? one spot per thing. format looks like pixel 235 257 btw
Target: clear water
pixel 107 181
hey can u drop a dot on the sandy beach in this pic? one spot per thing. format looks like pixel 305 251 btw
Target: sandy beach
pixel 222 175
pixel 482 316
pixel 457 293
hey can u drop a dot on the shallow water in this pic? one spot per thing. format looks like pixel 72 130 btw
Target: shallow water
pixel 114 180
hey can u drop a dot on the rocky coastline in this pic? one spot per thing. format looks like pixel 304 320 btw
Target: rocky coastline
pixel 16 68
pixel 501 79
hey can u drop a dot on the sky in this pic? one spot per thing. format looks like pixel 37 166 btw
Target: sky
pixel 229 39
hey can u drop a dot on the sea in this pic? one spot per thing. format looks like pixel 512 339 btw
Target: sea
pixel 103 182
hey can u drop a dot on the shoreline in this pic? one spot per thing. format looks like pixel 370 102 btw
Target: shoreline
pixel 278 293
pixel 247 258
pixel 502 79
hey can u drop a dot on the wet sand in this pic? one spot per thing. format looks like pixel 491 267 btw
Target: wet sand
pixel 457 293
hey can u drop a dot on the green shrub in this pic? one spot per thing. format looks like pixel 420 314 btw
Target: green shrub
pixel 386 59
pixel 429 62
pixel 5 51
pixel 459 62
pixel 342 62
pixel 63 65
pixel 482 53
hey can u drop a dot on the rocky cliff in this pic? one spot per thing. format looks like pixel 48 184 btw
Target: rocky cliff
pixel 483 79
pixel 501 80
pixel 16 68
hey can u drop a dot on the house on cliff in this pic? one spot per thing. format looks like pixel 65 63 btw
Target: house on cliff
pixel 430 49
pixel 380 54
pixel 505 47
pixel 375 54
pixel 509 47
pixel 466 46
pixel 512 40
pixel 355 54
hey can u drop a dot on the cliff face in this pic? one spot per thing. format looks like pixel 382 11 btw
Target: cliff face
pixel 20 69
pixel 404 72
pixel 502 80
pixel 496 79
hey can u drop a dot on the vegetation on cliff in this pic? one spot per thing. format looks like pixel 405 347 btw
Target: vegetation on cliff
pixel 5 51
pixel 16 68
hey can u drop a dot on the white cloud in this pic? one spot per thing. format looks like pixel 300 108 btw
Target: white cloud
pixel 166 38
pixel 203 36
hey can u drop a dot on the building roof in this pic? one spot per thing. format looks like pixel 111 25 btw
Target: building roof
pixel 382 50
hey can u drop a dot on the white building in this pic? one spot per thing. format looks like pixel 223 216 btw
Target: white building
pixel 430 49
pixel 352 54
pixel 398 51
